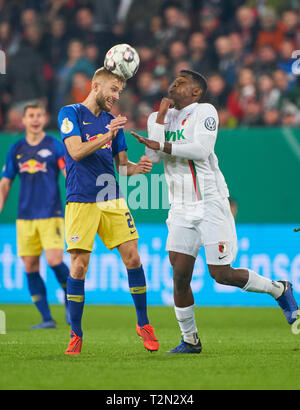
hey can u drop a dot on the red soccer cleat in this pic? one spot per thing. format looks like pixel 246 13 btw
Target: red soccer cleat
pixel 147 334
pixel 75 344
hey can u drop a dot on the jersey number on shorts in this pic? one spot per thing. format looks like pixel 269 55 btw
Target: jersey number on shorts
pixel 130 222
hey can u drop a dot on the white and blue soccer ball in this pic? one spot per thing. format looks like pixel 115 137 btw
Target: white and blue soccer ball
pixel 122 60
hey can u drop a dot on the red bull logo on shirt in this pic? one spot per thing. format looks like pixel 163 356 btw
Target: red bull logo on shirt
pixel 94 137
pixel 32 166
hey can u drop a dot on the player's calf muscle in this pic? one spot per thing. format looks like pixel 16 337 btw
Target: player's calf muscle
pixel 226 275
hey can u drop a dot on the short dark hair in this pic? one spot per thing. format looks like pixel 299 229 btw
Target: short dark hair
pixel 199 79
pixel 33 104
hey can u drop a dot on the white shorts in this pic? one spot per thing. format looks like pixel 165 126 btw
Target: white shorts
pixel 214 229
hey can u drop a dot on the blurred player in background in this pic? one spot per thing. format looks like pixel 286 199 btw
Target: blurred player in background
pixel 200 213
pixel 37 159
pixel 94 139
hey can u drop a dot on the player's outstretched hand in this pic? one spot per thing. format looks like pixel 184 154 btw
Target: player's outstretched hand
pixel 149 143
pixel 144 165
pixel 296 229
pixel 117 124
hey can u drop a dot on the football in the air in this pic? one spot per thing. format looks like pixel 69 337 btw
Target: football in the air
pixel 122 60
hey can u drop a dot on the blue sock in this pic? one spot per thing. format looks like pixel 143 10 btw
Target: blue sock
pixel 38 294
pixel 137 287
pixel 62 272
pixel 75 297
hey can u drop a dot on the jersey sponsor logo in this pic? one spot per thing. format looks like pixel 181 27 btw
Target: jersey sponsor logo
pixel 174 135
pixel 67 126
pixel 86 123
pixel 32 166
pixel 210 124
pixel 94 137
pixel 44 153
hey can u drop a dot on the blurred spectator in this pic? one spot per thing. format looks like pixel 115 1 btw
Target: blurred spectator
pixel 147 88
pixel 285 60
pixel 226 62
pixel 56 42
pixel 238 51
pixel 29 17
pixel 271 117
pixel 288 94
pixel 14 121
pixel 226 119
pixel 155 31
pixel 133 19
pixel 162 63
pixel 5 12
pixel 176 27
pixel 244 48
pixel 9 40
pixel 290 116
pixel 91 53
pixel 81 87
pixel 252 114
pixel 246 24
pixel 24 78
pixel 266 60
pixel 177 52
pixel 210 24
pixel 143 112
pixel 243 94
pixel 76 62
pixel 218 91
pixel 147 58
pixel 267 93
pixel 269 32
pixel 200 58
pixel 290 26
pixel 84 26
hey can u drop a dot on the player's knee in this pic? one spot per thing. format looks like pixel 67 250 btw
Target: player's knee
pixel 54 260
pixel 31 264
pixel 221 274
pixel 79 268
pixel 181 283
pixel 132 260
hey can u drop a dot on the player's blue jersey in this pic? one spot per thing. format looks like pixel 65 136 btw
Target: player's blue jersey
pixel 38 167
pixel 91 179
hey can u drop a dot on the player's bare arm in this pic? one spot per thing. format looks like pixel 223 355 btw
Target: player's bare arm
pixel 5 185
pixel 165 105
pixel 79 150
pixel 154 145
pixel 126 167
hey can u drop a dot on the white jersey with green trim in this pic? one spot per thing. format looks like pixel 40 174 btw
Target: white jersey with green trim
pixel 192 171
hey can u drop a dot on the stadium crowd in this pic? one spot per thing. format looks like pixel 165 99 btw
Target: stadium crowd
pixel 244 48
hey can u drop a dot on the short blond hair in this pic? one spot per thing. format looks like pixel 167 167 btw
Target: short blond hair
pixel 102 72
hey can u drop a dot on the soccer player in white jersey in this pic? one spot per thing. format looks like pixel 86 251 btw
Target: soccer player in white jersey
pixel 184 138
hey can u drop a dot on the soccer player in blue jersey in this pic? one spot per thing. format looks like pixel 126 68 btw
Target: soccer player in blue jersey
pixel 38 159
pixel 94 141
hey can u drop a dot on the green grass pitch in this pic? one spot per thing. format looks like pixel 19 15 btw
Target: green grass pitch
pixel 243 348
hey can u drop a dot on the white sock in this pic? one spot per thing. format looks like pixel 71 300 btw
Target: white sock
pixel 259 284
pixel 187 323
